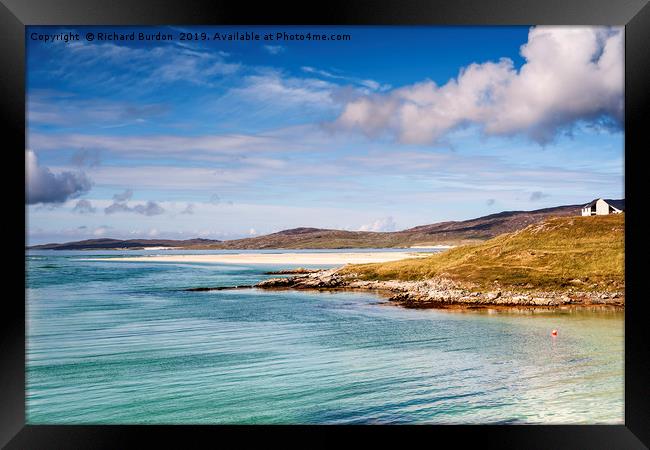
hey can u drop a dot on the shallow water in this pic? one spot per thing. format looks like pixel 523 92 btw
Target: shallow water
pixel 120 342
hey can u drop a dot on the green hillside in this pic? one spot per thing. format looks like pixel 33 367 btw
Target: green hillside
pixel 580 252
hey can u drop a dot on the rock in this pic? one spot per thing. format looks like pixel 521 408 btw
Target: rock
pixel 543 301
pixel 493 295
pixel 217 288
pixel 276 283
pixel 297 271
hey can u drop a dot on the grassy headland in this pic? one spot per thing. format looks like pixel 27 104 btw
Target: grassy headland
pixel 585 253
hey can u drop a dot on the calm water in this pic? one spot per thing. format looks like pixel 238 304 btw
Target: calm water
pixel 119 342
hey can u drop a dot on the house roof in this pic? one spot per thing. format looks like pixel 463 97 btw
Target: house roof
pixel 618 204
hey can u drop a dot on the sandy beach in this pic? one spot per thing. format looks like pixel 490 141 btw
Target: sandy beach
pixel 274 258
pixel 437 247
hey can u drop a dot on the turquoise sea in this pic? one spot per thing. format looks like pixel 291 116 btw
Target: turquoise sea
pixel 121 343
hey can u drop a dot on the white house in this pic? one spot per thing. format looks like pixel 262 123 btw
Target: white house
pixel 601 207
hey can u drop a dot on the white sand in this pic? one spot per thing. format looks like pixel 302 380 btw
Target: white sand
pixel 275 258
pixel 432 246
pixel 160 248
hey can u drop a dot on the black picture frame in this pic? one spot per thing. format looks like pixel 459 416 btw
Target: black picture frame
pixel 633 14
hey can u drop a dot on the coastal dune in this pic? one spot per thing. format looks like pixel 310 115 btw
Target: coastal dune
pixel 276 258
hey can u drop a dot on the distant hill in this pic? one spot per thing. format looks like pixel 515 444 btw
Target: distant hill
pixel 90 244
pixel 453 232
pixel 450 233
pixel 495 224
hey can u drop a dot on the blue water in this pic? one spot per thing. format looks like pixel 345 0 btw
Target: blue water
pixel 120 343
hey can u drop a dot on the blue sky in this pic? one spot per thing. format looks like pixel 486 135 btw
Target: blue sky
pixel 396 127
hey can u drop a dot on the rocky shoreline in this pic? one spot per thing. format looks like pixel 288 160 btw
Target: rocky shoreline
pixel 444 293
pixel 298 271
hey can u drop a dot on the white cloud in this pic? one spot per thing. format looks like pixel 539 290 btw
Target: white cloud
pixel 321 72
pixel 275 49
pixel 212 146
pixel 371 85
pixel 101 231
pixel 271 87
pixel 383 224
pixel 62 108
pixel 570 74
pixel 189 68
pixel 144 67
pixel 114 70
pixel 43 186
pixel 165 177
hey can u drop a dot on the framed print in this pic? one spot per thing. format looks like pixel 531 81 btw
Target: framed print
pixel 375 219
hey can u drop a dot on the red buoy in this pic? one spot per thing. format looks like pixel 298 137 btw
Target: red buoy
pixel 554 333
